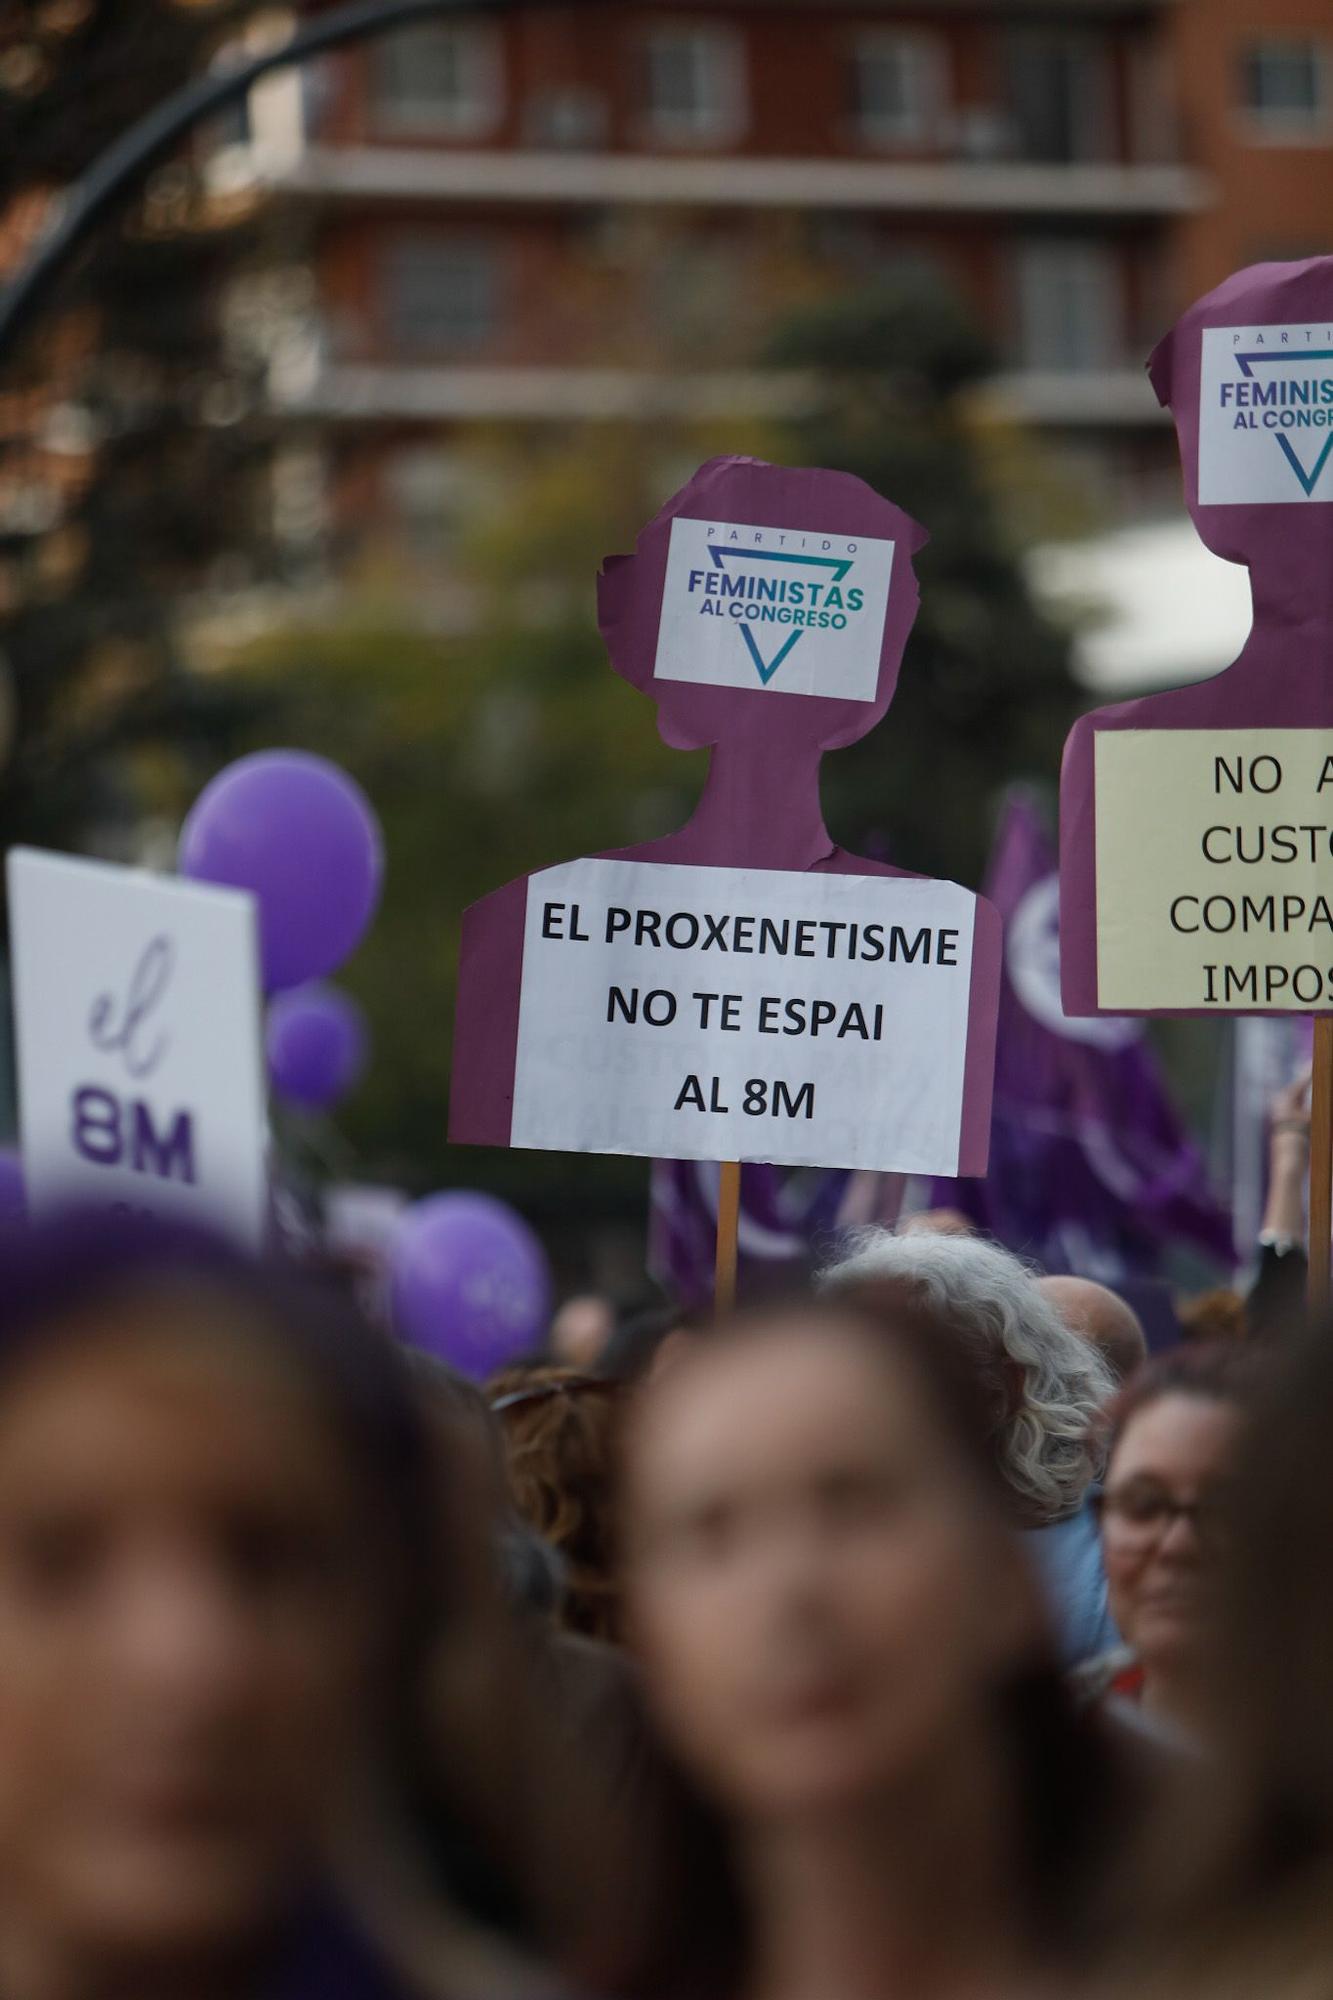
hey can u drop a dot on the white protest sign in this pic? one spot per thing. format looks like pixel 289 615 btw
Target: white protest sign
pixel 1214 858
pixel 140 1050
pixel 744 1014
pixel 1266 415
pixel 800 612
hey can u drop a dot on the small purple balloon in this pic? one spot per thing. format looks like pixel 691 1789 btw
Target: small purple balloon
pixel 470 1281
pixel 13 1189
pixel 302 837
pixel 317 1046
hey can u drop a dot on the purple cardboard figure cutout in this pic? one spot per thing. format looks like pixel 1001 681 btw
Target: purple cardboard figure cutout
pixel 690 620
pixel 1197 826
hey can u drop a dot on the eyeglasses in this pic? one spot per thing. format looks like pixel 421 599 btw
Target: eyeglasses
pixel 545 1392
pixel 1144 1513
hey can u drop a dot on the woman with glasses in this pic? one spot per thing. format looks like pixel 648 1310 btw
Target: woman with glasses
pixel 1176 1432
pixel 1235 1895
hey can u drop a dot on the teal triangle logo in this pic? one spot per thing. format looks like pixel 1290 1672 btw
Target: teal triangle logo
pixel 1308 478
pixel 767 668
pixel 840 566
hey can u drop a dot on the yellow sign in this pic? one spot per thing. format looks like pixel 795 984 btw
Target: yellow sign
pixel 1215 869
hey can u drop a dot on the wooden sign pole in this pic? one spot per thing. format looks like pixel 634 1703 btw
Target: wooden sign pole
pixel 728 1227
pixel 1321 1163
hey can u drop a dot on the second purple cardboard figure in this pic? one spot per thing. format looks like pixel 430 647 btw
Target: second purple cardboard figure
pixel 1196 831
pixel 744 988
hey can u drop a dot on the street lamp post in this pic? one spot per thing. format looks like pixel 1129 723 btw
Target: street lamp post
pixel 122 167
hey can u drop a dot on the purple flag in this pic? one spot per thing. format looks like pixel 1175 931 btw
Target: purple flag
pixel 789 1221
pixel 1091 1169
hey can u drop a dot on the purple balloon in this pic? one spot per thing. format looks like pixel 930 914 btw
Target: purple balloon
pixel 470 1282
pixel 302 837
pixel 13 1189
pixel 317 1046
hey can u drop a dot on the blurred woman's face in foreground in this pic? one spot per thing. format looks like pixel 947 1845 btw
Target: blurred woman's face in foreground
pixel 819 1596
pixel 184 1628
pixel 1162 1510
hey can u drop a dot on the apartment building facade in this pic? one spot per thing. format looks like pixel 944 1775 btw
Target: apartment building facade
pixel 1254 86
pixel 593 211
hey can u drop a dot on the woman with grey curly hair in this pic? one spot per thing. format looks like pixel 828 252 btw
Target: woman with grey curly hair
pixel 1046 1388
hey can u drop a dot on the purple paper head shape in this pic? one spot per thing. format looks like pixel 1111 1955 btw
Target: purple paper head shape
pixel 765 603
pixel 1247 374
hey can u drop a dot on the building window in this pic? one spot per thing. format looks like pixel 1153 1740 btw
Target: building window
pixel 429 491
pixel 898 89
pixel 440 295
pixel 1286 88
pixel 1070 308
pixel 441 80
pixel 1060 95
pixel 694 85
pixel 1152 107
pixel 566 119
pixel 699 298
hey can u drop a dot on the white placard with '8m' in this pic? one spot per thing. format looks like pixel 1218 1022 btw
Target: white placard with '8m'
pixel 140 1049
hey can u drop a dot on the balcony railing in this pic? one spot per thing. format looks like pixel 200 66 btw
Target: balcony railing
pixel 1005 187
pixel 389 392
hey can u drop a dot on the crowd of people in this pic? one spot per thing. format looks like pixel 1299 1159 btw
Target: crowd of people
pixel 916 1636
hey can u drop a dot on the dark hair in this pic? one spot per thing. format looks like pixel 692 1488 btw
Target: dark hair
pixel 1213 1371
pixel 456 1407
pixel 689 1934
pixel 636 1338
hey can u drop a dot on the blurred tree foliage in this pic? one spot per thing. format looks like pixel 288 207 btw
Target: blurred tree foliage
pixel 487 755
pixel 132 444
pixel 985 695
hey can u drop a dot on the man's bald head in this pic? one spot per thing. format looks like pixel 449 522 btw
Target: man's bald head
pixel 1102 1318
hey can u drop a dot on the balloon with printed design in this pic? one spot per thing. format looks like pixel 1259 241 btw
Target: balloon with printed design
pixel 470 1282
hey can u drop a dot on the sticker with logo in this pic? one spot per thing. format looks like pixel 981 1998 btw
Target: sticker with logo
pixel 1266 415
pixel 789 609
